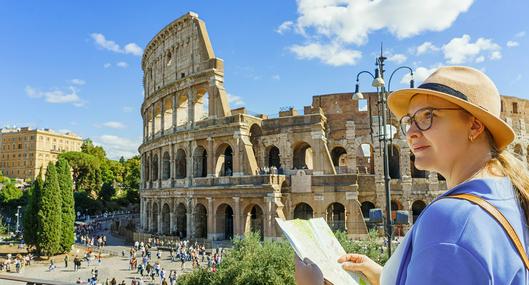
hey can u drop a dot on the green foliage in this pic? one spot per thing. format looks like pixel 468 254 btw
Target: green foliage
pixel 49 214
pixel 107 191
pixel 67 204
pixel 29 221
pixel 250 262
pixel 9 194
pixel 3 227
pixel 371 247
pixel 84 203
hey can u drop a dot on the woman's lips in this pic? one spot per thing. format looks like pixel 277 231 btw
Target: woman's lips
pixel 419 148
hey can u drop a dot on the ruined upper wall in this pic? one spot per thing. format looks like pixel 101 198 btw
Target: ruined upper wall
pixel 180 50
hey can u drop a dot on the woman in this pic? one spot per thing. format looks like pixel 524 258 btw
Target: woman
pixel 452 124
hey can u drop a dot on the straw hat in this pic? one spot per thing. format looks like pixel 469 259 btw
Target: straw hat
pixel 466 87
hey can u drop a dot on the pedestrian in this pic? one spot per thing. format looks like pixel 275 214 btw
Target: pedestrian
pixel 474 233
pixel 66 258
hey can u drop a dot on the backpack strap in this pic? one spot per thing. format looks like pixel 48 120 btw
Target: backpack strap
pixel 500 218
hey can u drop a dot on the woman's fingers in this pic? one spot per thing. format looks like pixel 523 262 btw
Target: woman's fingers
pixel 352 257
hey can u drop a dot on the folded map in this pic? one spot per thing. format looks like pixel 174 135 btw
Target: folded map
pixel 313 239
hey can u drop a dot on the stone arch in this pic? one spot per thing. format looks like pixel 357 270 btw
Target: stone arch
pixel 166 219
pixel 154 165
pixel 201 105
pixel 395 206
pixel 167 113
pixel 201 221
pixel 416 173
pixel 224 224
pixel 224 160
pixel 365 159
pixel 303 211
pixel 416 209
pixel 148 212
pixel 339 159
pixel 255 133
pixel 518 151
pixel 303 156
pixel 166 166
pixel 157 117
pixel 180 164
pixel 147 168
pixel 254 219
pixel 336 216
pixel 181 220
pixel 154 221
pixel 273 156
pixel 366 207
pixel 182 109
pixel 394 161
pixel 285 187
pixel 200 162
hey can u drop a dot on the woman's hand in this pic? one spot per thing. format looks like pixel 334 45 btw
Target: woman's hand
pixel 308 273
pixel 361 263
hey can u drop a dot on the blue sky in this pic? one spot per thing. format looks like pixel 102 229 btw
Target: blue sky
pixel 75 65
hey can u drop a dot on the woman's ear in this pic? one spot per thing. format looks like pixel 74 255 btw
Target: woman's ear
pixel 476 128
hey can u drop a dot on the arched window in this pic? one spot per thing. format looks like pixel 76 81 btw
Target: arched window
pixel 303 156
pixel 166 166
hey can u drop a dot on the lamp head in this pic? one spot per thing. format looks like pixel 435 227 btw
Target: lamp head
pixel 378 81
pixel 357 95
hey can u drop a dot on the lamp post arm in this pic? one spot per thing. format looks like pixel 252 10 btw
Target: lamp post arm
pixel 391 76
pixel 361 72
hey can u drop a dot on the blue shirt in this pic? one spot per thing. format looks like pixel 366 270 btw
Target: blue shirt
pixel 457 242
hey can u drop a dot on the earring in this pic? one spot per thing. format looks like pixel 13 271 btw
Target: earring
pixel 471 138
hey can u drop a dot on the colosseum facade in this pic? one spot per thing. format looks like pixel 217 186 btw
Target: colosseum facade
pixel 212 172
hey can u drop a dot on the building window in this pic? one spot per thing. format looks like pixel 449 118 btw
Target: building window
pixel 515 107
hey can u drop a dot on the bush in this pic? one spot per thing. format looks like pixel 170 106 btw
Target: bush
pixel 372 247
pixel 250 262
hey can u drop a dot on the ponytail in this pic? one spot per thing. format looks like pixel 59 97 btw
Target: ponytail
pixel 504 163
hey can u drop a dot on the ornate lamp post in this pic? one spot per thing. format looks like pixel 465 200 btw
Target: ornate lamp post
pixel 379 83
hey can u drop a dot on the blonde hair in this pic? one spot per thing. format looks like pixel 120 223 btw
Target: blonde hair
pixel 505 163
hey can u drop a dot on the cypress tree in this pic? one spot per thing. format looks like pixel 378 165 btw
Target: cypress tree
pixel 49 214
pixel 30 220
pixel 67 202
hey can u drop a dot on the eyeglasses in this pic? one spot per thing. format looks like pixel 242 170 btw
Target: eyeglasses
pixel 423 119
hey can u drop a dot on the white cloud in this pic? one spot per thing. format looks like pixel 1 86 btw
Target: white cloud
pixel 276 77
pixel 331 54
pixel 127 109
pixel 426 47
pixel 520 34
pixel 114 125
pixel 480 59
pixel 130 48
pixel 133 48
pixel 512 44
pixel 107 65
pixel 461 50
pixel 77 81
pixel 419 75
pixel 350 21
pixel 122 64
pixel 57 96
pixel 397 58
pixel 285 26
pixel 116 146
pixel 235 100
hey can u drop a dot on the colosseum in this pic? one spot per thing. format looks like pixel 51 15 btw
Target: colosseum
pixel 212 172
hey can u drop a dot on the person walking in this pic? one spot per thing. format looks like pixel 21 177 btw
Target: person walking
pixel 66 259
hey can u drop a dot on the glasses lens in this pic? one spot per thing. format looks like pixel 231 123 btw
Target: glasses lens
pixel 405 124
pixel 424 119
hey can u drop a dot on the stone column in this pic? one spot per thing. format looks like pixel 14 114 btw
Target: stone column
pixel 159 216
pixel 189 218
pixel 211 220
pixel 189 163
pixel 211 158
pixel 238 160
pixel 190 108
pixel 173 164
pixel 267 229
pixel 172 218
pixel 162 112
pixel 153 119
pixel 160 160
pixel 174 110
pixel 237 231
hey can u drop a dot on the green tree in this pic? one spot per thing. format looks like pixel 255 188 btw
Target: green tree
pixel 86 172
pixel 67 204
pixel 10 193
pixel 31 224
pixel 49 214
pixel 97 151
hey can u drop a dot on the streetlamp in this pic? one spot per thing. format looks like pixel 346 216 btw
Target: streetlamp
pixel 18 219
pixel 380 84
